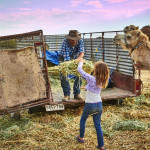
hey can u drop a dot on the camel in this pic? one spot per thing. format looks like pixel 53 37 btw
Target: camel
pixel 145 29
pixel 138 45
pixel 130 28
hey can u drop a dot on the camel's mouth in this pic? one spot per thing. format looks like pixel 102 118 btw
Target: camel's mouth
pixel 116 40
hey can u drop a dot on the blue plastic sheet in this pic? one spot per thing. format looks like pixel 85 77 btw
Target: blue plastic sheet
pixel 52 56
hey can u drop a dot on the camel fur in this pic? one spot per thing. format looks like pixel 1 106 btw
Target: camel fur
pixel 145 29
pixel 138 45
pixel 130 28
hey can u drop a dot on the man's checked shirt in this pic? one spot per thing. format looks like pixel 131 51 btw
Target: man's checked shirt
pixel 68 52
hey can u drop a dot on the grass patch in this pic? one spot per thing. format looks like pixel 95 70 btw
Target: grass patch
pixel 130 125
pixel 9 127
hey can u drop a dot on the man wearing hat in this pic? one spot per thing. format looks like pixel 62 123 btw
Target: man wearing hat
pixel 72 48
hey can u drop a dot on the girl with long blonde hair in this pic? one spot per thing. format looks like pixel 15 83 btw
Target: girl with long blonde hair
pixel 93 101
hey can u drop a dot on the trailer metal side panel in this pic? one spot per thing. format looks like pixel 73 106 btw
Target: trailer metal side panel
pixel 18 95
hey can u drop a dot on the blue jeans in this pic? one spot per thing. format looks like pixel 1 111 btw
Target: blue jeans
pixel 66 86
pixel 94 109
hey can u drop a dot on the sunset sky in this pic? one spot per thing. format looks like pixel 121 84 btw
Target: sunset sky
pixel 60 16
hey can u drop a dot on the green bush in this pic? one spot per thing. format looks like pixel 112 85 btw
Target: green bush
pixel 8 44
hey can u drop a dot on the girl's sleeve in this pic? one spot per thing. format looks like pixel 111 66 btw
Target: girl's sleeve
pixel 85 75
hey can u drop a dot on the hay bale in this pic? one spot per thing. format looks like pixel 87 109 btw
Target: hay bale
pixel 21 78
pixel 70 67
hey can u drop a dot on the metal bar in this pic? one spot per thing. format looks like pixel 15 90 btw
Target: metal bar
pixel 117 55
pixel 103 46
pixel 49 91
pixel 34 33
pixel 26 106
pixel 102 32
pixel 91 45
pixel 35 47
pixel 40 57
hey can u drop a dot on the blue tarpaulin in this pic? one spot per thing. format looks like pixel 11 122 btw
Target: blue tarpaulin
pixel 52 56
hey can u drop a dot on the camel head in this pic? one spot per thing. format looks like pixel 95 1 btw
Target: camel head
pixel 120 40
pixel 130 28
pixel 131 39
pixel 134 37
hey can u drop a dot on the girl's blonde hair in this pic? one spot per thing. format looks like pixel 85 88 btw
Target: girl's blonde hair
pixel 101 73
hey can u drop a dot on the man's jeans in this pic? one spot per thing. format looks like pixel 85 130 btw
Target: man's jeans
pixel 94 109
pixel 66 86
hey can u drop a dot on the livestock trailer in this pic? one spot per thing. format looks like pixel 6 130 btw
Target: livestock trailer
pixel 125 79
pixel 31 47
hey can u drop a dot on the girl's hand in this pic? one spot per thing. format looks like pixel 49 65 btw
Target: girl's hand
pixel 80 59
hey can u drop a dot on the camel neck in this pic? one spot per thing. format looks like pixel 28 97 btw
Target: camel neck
pixel 135 47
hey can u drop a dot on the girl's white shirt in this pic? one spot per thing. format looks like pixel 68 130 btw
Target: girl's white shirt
pixel 92 97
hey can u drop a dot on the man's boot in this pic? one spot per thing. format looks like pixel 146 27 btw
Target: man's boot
pixel 66 98
pixel 78 97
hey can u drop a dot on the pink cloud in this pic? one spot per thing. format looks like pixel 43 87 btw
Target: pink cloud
pixel 61 16
pixel 75 3
pixel 26 2
pixel 25 9
pixel 58 15
pixel 3 17
pixel 96 4
pixel 60 20
pixel 57 11
pixel 115 1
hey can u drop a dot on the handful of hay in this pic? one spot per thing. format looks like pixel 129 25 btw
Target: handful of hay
pixel 70 67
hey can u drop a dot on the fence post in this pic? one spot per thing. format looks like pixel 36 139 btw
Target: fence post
pixel 91 46
pixel 103 47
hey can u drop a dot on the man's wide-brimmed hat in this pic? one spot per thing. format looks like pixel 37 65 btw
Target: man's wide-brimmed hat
pixel 73 35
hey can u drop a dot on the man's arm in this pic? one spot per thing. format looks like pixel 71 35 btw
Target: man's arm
pixel 81 55
pixel 81 49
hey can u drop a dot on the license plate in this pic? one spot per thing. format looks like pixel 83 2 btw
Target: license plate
pixel 54 107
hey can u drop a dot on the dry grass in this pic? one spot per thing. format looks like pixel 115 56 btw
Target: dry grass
pixel 145 77
pixel 125 127
pixel 57 130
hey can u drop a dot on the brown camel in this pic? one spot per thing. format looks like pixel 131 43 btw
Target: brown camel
pixel 138 45
pixel 130 28
pixel 145 29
